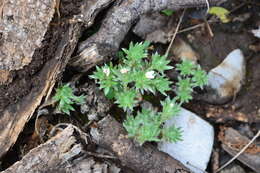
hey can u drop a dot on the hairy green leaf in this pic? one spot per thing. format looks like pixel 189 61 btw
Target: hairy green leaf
pixel 126 99
pixel 160 63
pixel 172 134
pixel 65 98
pixel 170 108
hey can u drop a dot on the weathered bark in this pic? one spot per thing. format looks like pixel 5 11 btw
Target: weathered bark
pixel 16 115
pixel 63 153
pixel 111 135
pixel 60 154
pixel 116 25
pixel 20 98
pixel 22 27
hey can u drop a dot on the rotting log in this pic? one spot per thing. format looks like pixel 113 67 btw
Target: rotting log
pixel 116 25
pixel 110 135
pixel 26 88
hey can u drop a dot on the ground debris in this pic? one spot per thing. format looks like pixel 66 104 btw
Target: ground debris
pixel 222 115
pixel 62 153
pixel 155 27
pixel 233 142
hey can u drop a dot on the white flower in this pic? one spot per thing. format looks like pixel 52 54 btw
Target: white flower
pixel 106 71
pixel 150 74
pixel 124 70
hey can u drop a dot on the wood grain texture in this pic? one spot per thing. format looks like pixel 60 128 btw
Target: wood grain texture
pixel 20 98
pixel 116 25
pixel 60 154
pixel 22 28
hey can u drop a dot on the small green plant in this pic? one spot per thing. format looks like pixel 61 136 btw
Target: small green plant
pixel 65 98
pixel 167 12
pixel 146 125
pixel 138 74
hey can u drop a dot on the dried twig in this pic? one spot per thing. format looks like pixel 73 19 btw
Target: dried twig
pixel 209 28
pixel 2 9
pixel 207 2
pixel 175 32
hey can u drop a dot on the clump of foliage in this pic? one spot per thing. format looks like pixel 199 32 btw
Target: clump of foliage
pixel 139 73
pixel 65 98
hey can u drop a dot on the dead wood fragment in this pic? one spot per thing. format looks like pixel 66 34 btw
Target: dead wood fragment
pixel 116 25
pixel 233 142
pixel 22 28
pixel 111 135
pixel 222 115
pixel 23 95
pixel 91 9
pixel 237 144
pixel 55 155
pixel 62 153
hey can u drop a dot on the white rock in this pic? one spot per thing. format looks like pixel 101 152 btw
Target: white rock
pixel 256 32
pixel 227 78
pixel 197 141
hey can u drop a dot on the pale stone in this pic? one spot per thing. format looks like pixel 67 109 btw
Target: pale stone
pixel 197 141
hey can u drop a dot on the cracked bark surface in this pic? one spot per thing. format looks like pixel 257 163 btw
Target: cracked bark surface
pixel 116 25
pixel 62 153
pixel 22 27
pixel 21 97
